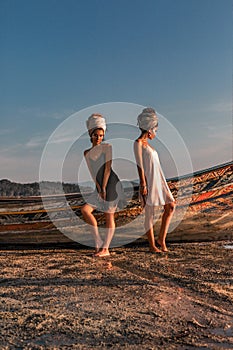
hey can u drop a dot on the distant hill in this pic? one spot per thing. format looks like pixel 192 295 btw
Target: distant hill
pixel 14 189
pixel 18 190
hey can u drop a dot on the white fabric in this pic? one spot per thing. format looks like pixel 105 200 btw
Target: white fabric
pixel 158 190
pixel 148 119
pixel 96 122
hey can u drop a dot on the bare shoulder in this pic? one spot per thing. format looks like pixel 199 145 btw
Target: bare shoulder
pixel 106 147
pixel 137 143
pixel 86 152
pixel 105 144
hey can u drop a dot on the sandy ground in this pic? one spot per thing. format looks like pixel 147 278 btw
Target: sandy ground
pixel 63 298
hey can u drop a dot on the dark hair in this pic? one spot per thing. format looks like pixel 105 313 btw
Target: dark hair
pixel 93 130
pixel 143 131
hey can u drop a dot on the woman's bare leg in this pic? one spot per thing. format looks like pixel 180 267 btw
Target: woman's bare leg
pixel 91 220
pixel 166 219
pixel 110 227
pixel 149 210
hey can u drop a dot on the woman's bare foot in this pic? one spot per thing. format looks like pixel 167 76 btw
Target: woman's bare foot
pixel 162 246
pixel 102 253
pixel 99 244
pixel 155 250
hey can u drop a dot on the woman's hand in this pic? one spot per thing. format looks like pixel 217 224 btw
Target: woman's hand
pixel 143 190
pixel 102 194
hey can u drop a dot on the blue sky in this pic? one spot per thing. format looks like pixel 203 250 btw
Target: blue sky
pixel 58 57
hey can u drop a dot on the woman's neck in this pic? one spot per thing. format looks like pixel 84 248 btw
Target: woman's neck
pixel 144 139
pixel 94 146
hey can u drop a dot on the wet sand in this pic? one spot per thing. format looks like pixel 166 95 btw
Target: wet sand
pixel 62 298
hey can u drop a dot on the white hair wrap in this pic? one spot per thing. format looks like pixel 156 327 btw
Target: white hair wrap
pixel 96 121
pixel 148 119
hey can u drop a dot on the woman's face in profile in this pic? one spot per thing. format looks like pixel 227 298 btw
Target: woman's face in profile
pixel 97 137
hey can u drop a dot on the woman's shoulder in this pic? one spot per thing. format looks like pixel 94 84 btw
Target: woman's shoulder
pixel 138 143
pixel 106 146
pixel 86 151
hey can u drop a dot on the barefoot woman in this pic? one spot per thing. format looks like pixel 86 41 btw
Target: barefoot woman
pixel 154 190
pixel 108 187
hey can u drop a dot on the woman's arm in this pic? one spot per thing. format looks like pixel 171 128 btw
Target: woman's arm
pixel 86 155
pixel 107 168
pixel 139 159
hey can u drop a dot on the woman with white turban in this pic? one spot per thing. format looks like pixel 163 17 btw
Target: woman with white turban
pixel 108 191
pixel 154 190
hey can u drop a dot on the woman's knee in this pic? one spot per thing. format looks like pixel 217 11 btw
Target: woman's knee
pixel 169 208
pixel 86 209
pixel 110 219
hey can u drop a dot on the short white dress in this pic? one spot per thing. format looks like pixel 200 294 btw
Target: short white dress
pixel 158 190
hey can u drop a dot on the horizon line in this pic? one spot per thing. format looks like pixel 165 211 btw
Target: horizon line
pixel 175 178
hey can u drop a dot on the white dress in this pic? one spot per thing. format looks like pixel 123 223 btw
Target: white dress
pixel 158 190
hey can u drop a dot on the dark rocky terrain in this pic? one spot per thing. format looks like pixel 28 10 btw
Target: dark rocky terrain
pixel 63 298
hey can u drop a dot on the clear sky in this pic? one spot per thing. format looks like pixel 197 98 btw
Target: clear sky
pixel 58 57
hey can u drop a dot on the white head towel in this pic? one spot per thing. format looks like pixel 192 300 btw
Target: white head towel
pixel 148 119
pixel 95 121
